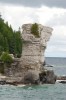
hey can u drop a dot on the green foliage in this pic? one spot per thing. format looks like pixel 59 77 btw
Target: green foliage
pixel 2 68
pixel 18 43
pixel 6 58
pixel 10 40
pixel 34 30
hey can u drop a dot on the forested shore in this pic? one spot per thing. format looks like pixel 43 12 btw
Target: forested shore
pixel 10 40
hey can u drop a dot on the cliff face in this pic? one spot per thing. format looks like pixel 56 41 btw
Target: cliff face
pixel 33 47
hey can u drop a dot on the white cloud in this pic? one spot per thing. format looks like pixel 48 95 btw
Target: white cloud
pixel 18 15
pixel 57 44
pixel 51 16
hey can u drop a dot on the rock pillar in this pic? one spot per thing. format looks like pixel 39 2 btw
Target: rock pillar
pixel 34 47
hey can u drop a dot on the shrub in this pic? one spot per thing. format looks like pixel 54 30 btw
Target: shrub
pixel 6 58
pixel 34 30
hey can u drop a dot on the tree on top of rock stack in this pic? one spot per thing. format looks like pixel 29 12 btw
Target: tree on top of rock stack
pixel 34 30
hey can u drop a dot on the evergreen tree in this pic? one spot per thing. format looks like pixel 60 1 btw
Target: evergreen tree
pixel 6 46
pixel 34 30
pixel 10 40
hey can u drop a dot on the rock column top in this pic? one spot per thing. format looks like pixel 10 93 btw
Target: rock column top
pixel 44 33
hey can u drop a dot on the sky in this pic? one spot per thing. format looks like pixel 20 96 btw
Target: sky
pixel 50 13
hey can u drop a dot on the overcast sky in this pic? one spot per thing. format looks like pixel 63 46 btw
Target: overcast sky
pixel 46 12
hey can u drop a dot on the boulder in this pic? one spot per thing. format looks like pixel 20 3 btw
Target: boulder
pixel 63 82
pixel 48 77
pixel 31 77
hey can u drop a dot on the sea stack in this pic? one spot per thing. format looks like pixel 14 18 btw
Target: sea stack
pixel 33 48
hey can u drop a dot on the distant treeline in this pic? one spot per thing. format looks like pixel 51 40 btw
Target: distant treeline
pixel 10 40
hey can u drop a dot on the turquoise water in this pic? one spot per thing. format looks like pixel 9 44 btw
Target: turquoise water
pixel 43 92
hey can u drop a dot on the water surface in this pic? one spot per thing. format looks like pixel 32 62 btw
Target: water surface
pixel 42 92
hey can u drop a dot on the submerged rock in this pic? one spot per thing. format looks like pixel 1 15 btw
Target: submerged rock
pixel 48 65
pixel 61 81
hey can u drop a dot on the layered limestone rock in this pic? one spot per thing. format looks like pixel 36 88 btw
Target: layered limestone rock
pixel 34 47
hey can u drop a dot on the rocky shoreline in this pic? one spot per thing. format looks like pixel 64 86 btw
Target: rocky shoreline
pixel 31 77
pixel 4 80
